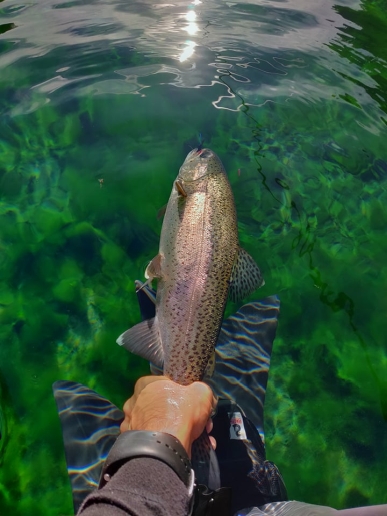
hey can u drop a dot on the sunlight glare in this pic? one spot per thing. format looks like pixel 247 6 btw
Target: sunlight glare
pixel 188 51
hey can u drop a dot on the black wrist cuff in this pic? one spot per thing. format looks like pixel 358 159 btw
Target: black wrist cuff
pixel 156 445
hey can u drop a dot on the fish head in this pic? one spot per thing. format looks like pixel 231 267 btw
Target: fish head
pixel 198 164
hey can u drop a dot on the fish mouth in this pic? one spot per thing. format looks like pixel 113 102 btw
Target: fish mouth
pixel 193 169
pixel 195 153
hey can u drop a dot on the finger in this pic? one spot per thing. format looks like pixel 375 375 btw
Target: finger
pixel 214 405
pixel 213 442
pixel 204 394
pixel 140 385
pixel 125 425
pixel 128 405
pixel 209 426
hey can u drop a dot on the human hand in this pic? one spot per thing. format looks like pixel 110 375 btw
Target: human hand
pixel 161 405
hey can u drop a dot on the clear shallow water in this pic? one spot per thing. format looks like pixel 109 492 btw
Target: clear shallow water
pixel 294 100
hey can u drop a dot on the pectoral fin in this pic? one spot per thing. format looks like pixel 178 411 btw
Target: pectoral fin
pixel 180 188
pixel 144 340
pixel 153 270
pixel 245 276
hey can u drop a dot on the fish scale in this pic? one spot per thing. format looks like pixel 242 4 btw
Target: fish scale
pixel 198 246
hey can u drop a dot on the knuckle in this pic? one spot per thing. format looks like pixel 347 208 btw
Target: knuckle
pixel 126 407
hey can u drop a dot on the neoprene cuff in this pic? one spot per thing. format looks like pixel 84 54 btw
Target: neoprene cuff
pixel 156 445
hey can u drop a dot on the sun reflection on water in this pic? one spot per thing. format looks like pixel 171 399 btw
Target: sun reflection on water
pixel 192 28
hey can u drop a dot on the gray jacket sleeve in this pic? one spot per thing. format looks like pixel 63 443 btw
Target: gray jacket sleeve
pixel 141 487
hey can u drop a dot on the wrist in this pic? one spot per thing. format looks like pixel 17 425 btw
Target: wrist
pixel 157 445
pixel 178 429
pixel 183 437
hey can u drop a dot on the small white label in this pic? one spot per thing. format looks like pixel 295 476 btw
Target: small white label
pixel 237 428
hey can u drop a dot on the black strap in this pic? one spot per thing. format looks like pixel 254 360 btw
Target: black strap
pixel 158 445
pixel 168 449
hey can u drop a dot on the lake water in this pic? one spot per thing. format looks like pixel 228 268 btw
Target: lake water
pixel 100 101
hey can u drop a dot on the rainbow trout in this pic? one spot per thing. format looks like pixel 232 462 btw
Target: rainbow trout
pixel 198 266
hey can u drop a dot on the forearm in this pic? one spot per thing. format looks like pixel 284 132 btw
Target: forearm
pixel 141 487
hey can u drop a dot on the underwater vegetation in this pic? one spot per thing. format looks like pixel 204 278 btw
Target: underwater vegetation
pixel 70 251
